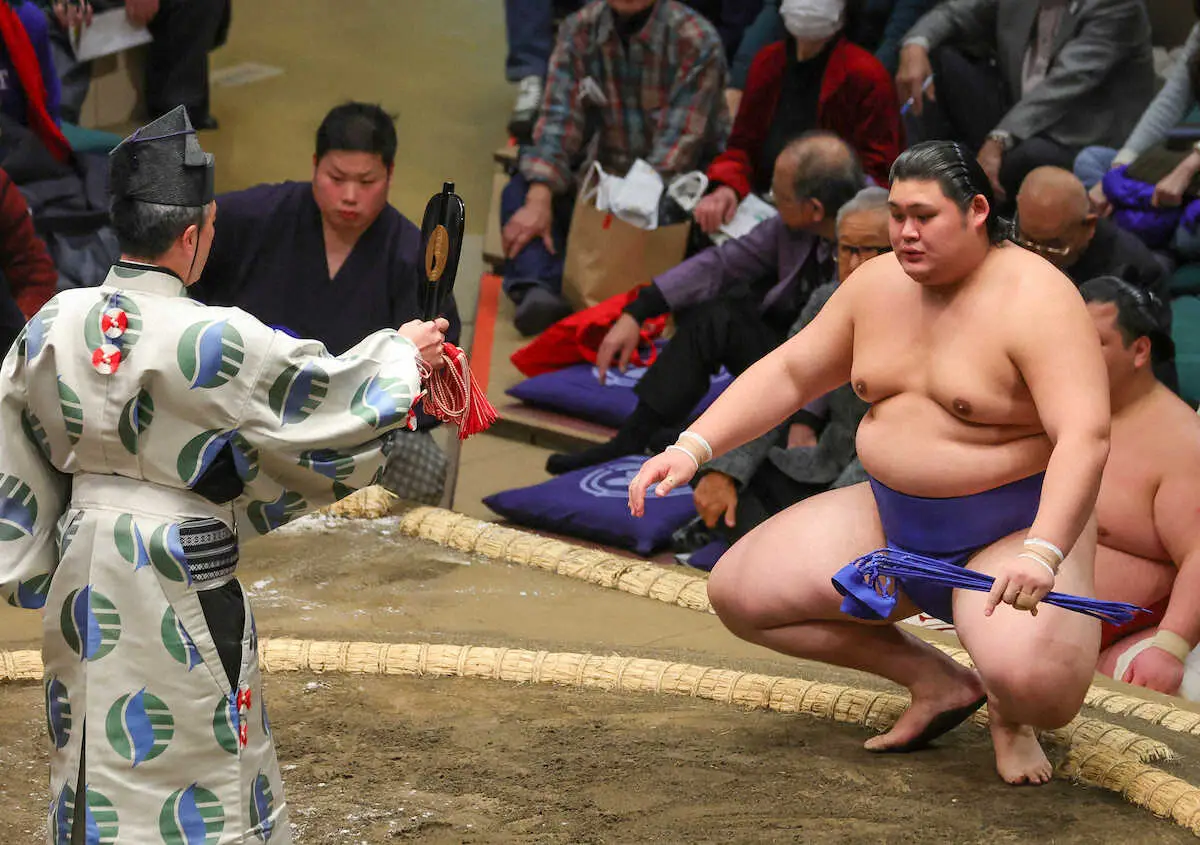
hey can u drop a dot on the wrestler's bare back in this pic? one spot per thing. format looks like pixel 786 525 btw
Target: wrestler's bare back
pixel 950 413
pixel 1154 443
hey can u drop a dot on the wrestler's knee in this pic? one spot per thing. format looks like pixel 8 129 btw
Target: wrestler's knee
pixel 1047 696
pixel 733 598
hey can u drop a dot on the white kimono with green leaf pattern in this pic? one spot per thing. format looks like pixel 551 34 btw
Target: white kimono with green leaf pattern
pixel 97 452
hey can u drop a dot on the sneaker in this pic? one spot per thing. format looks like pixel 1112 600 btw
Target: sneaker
pixel 525 110
pixel 539 310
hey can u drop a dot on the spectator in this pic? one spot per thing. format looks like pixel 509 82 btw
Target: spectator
pixel 644 76
pixel 185 32
pixel 530 29
pixel 1068 74
pixel 29 89
pixel 733 303
pixel 874 25
pixel 529 25
pixel 329 259
pixel 1149 538
pixel 743 488
pixel 1054 220
pixel 1176 98
pixel 815 79
pixel 29 276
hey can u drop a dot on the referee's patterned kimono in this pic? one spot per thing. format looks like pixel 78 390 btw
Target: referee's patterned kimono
pixel 116 404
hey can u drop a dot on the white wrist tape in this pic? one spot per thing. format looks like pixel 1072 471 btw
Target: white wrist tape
pixel 708 452
pixel 1047 545
pixel 675 448
pixel 1172 644
pixel 1032 556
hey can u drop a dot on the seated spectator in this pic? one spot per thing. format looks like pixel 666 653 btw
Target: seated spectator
pixel 663 103
pixel 185 32
pixel 733 303
pixel 530 29
pixel 1149 537
pixel 743 488
pixel 814 79
pixel 1176 98
pixel 28 274
pixel 529 25
pixel 1055 220
pixel 1067 75
pixel 875 25
pixel 329 259
pixel 29 89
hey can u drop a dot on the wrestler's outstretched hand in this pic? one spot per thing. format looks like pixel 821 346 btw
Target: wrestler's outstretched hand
pixel 1022 583
pixel 668 470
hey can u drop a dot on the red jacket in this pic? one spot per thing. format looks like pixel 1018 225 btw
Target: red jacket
pixel 857 102
pixel 24 261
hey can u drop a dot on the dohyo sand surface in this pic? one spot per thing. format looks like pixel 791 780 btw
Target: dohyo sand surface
pixel 386 759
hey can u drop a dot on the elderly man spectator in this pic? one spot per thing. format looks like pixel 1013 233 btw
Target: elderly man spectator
pixel 28 274
pixel 1149 537
pixel 1067 74
pixel 646 78
pixel 329 259
pixel 815 450
pixel 733 303
pixel 814 79
pixel 185 32
pixel 1054 219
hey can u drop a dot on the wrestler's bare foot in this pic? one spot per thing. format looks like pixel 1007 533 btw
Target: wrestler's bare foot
pixel 958 688
pixel 1019 756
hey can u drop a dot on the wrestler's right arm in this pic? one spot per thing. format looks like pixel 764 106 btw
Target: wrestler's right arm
pixel 809 365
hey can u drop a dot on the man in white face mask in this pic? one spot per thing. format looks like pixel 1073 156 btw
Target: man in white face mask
pixel 815 79
pixel 812 20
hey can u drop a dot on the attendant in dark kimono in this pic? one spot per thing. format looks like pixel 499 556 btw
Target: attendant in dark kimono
pixel 330 259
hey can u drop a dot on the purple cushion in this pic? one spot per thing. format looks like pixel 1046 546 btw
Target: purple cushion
pixel 576 392
pixel 593 504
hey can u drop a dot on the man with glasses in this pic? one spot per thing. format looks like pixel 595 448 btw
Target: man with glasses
pixel 814 451
pixel 1149 538
pixel 1054 219
pixel 733 303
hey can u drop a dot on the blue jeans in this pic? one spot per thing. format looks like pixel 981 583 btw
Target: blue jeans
pixel 1092 163
pixel 534 266
pixel 530 25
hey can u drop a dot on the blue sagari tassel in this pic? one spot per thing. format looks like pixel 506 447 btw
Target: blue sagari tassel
pixel 869 586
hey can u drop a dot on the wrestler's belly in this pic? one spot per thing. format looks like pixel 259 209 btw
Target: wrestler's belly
pixel 1121 576
pixel 917 448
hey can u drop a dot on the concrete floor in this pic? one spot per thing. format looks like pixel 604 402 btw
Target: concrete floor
pixel 439 66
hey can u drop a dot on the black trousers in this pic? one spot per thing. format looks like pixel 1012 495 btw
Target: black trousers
pixel 185 32
pixel 971 100
pixel 726 331
pixel 770 491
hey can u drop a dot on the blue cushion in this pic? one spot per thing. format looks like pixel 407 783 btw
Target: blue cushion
pixel 576 392
pixel 593 504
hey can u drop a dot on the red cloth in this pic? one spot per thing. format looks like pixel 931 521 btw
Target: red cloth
pixel 857 102
pixel 1112 634
pixel 26 264
pixel 576 339
pixel 29 74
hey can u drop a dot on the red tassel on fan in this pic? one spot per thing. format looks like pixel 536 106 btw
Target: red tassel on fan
pixel 452 396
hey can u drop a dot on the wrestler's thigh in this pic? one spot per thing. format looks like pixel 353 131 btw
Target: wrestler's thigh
pixel 1057 648
pixel 780 572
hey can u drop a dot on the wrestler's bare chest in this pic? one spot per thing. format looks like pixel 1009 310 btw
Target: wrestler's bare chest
pixel 953 354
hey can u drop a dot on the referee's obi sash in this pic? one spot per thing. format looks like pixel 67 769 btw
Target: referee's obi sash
pixel 196 532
